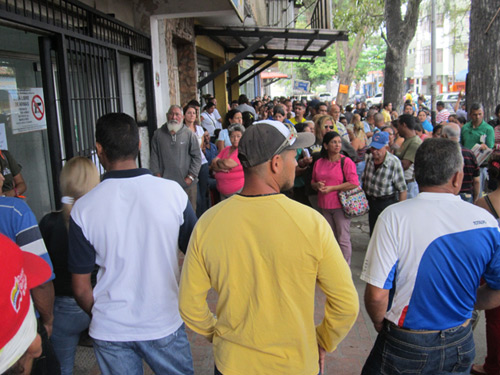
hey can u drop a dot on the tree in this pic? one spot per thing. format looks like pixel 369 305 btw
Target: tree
pixel 361 19
pixel 483 81
pixel 400 32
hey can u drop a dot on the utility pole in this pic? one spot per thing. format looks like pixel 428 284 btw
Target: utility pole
pixel 433 62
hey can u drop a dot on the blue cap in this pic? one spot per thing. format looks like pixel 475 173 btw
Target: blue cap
pixel 380 139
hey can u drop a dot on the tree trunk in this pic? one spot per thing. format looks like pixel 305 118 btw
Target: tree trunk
pixel 348 66
pixel 483 81
pixel 400 32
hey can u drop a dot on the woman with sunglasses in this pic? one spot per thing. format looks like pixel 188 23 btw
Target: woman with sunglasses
pixel 332 173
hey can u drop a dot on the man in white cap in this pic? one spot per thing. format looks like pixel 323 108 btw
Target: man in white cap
pixel 20 272
pixel 264 253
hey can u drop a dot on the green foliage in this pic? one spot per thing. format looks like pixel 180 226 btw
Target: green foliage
pixel 322 70
pixel 361 19
pixel 355 15
pixel 325 68
pixel 372 57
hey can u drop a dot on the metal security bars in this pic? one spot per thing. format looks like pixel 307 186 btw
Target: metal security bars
pixel 93 85
pixel 75 18
pixel 322 15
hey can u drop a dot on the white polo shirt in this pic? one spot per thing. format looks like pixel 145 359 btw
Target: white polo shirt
pixel 131 225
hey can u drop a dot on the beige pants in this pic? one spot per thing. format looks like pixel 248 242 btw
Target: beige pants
pixel 192 192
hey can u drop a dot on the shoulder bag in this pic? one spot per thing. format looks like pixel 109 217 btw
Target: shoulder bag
pixel 354 202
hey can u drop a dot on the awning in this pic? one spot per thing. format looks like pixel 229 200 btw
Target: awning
pixel 272 75
pixel 267 45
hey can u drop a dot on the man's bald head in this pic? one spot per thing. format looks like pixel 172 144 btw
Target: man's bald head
pixel 451 131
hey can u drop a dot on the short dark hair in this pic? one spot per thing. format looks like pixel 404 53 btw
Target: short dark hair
pixel 185 109
pixel 497 109
pixel 436 161
pixel 279 109
pixel 320 104
pixel 408 120
pixel 326 139
pixel 299 104
pixel 194 102
pixel 209 105
pixel 118 135
pixel 386 104
pixel 440 103
pixel 475 107
pixel 494 166
pixel 243 99
pixel 248 118
pixel 436 129
pixel 230 115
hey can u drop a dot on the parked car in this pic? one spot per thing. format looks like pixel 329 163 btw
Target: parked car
pixel 375 100
pixel 357 98
pixel 326 97
pixel 449 99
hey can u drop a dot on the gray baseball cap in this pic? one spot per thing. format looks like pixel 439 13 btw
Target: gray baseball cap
pixel 264 139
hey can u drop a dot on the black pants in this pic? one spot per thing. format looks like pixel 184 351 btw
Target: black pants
pixel 47 363
pixel 299 195
pixel 378 205
pixel 216 371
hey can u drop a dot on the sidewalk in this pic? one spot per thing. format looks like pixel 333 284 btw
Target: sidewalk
pixel 349 357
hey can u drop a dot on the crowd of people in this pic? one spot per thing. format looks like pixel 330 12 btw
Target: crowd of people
pixel 253 200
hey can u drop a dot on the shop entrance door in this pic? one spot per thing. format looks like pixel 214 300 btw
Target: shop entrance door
pixel 20 73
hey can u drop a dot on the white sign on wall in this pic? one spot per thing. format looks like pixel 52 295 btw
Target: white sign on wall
pixel 28 111
pixel 3 137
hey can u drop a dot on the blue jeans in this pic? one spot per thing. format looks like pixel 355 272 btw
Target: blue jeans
pixel 360 167
pixel 169 355
pixel 69 322
pixel 398 351
pixel 467 197
pixel 483 179
pixel 202 202
pixel 412 190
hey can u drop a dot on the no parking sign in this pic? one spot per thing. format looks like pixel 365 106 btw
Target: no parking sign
pixel 28 110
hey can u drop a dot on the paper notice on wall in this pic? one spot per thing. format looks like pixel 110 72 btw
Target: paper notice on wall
pixel 28 111
pixel 3 137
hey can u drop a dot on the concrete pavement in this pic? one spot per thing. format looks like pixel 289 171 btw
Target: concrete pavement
pixel 349 357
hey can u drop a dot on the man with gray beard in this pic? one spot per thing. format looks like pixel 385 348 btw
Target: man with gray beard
pixel 175 153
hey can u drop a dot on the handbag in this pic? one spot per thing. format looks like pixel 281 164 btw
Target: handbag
pixel 354 202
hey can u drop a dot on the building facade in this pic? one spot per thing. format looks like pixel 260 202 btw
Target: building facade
pixel 65 63
pixel 452 38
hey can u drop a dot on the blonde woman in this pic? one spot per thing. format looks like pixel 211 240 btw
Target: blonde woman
pixel 78 177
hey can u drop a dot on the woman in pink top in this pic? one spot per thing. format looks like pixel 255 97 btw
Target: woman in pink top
pixel 328 180
pixel 227 167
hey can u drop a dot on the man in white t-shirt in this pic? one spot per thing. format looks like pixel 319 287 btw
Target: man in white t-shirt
pixel 131 226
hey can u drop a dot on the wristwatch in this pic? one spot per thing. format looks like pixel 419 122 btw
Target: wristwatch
pixel 190 177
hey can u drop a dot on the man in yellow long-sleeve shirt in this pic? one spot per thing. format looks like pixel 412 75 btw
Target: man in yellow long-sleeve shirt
pixel 264 253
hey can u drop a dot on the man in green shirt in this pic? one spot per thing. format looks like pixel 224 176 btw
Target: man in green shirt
pixel 477 131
